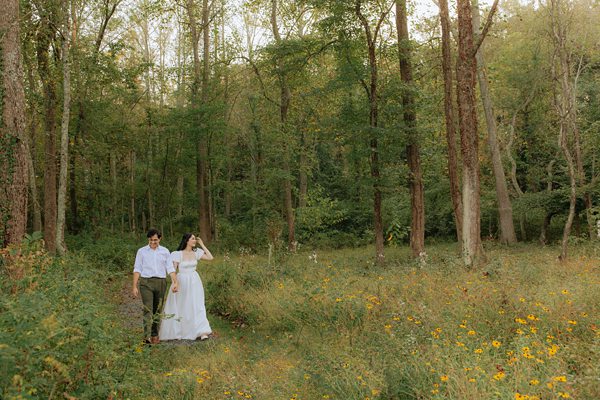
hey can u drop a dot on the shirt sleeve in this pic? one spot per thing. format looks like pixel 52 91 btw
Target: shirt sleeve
pixel 199 253
pixel 137 266
pixel 174 257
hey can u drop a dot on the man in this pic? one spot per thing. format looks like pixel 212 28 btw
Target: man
pixel 152 263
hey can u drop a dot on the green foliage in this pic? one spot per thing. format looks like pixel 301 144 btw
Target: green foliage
pixel 35 239
pixel 113 253
pixel 320 214
pixel 58 332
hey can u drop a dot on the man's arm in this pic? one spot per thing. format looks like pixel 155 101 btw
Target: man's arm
pixel 170 266
pixel 134 290
pixel 137 272
pixel 174 286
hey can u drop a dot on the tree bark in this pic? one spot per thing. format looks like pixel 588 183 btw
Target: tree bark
pixel 64 132
pixel 285 100
pixel 203 156
pixel 467 112
pixel 13 165
pixel 549 214
pixel 199 96
pixel 371 89
pixel 449 114
pixel 564 104
pixel 30 143
pixel 132 215
pixel 304 167
pixel 505 214
pixel 417 233
pixel 35 202
pixel 44 37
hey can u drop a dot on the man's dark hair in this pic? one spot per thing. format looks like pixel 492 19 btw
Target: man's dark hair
pixel 153 232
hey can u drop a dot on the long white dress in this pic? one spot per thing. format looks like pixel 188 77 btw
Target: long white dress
pixel 184 314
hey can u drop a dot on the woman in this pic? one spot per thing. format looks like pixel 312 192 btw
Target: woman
pixel 184 312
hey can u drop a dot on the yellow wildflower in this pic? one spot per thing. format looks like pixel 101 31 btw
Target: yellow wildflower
pixel 499 376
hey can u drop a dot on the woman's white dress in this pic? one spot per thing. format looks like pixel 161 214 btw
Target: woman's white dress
pixel 184 314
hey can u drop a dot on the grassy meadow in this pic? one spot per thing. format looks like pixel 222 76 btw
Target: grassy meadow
pixel 334 326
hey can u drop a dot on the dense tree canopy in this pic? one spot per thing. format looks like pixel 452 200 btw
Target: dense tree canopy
pixel 272 122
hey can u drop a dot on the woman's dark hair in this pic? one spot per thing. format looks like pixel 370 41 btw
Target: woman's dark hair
pixel 153 232
pixel 184 240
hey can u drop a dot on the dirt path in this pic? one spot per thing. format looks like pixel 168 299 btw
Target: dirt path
pixel 131 314
pixel 130 308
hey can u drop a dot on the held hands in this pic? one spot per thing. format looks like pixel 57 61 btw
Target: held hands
pixel 174 287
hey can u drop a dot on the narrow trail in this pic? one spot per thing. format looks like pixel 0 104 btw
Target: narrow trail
pixel 131 314
pixel 236 359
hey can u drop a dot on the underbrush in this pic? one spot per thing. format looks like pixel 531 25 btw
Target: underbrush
pixel 523 326
pixel 60 333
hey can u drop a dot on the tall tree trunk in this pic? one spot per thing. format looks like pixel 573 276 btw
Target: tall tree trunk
pixel 587 197
pixel 417 232
pixel 13 165
pixel 203 157
pixel 45 36
pixel 285 99
pixel 304 167
pixel 564 107
pixel 564 145
pixel 35 202
pixel 372 93
pixel 132 215
pixel 449 113
pixel 513 163
pixel 505 214
pixel 549 214
pixel 64 132
pixel 201 82
pixel 113 190
pixel 75 225
pixel 467 112
pixel 30 139
pixel 149 167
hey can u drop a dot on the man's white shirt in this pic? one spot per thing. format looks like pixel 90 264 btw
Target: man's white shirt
pixel 153 263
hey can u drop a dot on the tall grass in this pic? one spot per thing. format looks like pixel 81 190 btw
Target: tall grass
pixel 331 327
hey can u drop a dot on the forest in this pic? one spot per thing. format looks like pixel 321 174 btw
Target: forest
pixel 315 123
pixel 366 155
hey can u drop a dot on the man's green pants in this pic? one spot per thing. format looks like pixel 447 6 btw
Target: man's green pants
pixel 152 291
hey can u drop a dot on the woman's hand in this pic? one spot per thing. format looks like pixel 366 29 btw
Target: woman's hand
pixel 199 241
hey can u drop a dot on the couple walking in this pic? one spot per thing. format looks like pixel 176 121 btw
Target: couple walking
pixel 184 314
